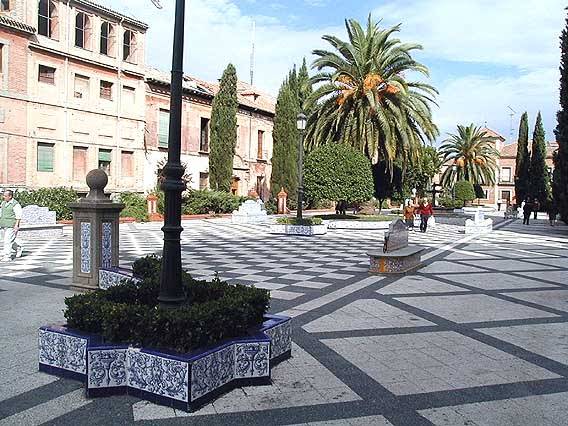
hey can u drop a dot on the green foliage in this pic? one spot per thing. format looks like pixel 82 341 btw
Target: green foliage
pixel 539 175
pixel 363 218
pixel 387 179
pixel 522 163
pixel 223 131
pixel 338 172
pixel 130 312
pixel 472 157
pixel 56 199
pixel 364 97
pixel 135 206
pixel 560 185
pixel 464 191
pixel 285 148
pixel 206 201
pixel 271 206
pixel 450 203
pixel 306 221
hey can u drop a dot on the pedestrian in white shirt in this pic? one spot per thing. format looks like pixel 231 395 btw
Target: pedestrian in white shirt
pixel 10 217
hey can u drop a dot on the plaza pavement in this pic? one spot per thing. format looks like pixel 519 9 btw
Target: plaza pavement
pixel 478 336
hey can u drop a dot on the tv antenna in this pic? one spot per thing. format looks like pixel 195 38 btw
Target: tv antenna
pixel 511 114
pixel 157 3
pixel 252 53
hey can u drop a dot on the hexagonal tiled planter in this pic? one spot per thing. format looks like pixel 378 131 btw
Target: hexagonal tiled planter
pixel 307 230
pixel 184 381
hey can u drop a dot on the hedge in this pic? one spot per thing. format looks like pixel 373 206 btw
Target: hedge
pixel 464 191
pixel 56 199
pixel 206 201
pixel 130 312
pixel 135 205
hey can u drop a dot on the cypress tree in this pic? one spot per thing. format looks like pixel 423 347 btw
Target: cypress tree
pixel 560 186
pixel 522 163
pixel 223 132
pixel 304 86
pixel 285 139
pixel 539 177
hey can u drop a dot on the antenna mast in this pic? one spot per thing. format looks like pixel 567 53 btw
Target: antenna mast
pixel 511 114
pixel 252 54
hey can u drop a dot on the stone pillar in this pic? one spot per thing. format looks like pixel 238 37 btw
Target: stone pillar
pixel 282 199
pixel 153 214
pixel 95 232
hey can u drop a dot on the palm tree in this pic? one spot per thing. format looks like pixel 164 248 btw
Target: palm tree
pixel 363 98
pixel 470 156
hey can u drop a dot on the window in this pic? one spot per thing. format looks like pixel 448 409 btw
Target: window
pixel 44 157
pixel 107 39
pixel 106 90
pixel 46 74
pixel 163 128
pixel 127 163
pixel 47 19
pixel 259 185
pixel 260 143
pixel 128 96
pixel 506 195
pixel 105 156
pixel 82 30
pixel 1 60
pixel 128 46
pixel 485 195
pixel 203 180
pixel 204 135
pixel 81 90
pixel 4 5
pixel 505 174
pixel 79 163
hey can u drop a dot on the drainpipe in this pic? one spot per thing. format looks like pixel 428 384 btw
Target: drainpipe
pixel 66 85
pixel 117 169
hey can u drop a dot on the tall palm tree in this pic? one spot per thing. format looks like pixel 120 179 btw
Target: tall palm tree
pixel 470 155
pixel 364 99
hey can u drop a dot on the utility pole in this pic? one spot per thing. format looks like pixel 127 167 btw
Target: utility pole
pixel 511 114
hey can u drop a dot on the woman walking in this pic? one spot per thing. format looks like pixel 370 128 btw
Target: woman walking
pixel 426 211
pixel 408 214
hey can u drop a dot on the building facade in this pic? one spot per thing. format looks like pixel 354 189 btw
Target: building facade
pixel 76 95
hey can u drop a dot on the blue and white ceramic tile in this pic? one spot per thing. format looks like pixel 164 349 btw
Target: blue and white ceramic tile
pixel 109 278
pixel 157 375
pixel 212 371
pixel 85 247
pixel 107 368
pixel 62 351
pixel 252 359
pixel 280 339
pixel 106 246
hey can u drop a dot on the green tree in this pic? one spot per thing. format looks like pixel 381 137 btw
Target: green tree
pixel 560 185
pixel 522 163
pixel 539 174
pixel 365 100
pixel 223 132
pixel 464 191
pixel 304 88
pixel 338 172
pixel 418 176
pixel 285 148
pixel 388 181
pixel 473 155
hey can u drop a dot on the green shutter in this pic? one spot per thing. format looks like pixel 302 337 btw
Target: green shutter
pixel 44 157
pixel 163 128
pixel 105 155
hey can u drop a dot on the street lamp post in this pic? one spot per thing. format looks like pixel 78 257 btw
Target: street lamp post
pixel 301 126
pixel 171 290
pixel 454 169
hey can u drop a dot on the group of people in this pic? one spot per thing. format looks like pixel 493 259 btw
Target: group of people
pixel 10 217
pixel 530 206
pixel 423 209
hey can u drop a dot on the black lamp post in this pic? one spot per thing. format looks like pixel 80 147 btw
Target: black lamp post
pixel 171 290
pixel 301 126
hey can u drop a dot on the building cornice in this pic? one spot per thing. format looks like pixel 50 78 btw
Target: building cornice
pixel 6 21
pixel 112 13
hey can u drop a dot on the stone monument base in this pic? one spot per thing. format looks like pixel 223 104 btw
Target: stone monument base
pixel 395 262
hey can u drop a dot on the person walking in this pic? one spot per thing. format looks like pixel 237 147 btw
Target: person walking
pixel 527 209
pixel 536 207
pixel 10 217
pixel 552 213
pixel 408 213
pixel 425 212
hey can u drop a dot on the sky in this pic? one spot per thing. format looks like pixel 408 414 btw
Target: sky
pixel 487 58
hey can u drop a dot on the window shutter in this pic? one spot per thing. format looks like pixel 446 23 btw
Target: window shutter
pixel 163 128
pixel 105 155
pixel 44 157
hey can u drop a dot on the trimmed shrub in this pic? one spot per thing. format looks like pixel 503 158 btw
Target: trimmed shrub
pixel 135 206
pixel 338 172
pixel 130 312
pixel 464 191
pixel 306 221
pixel 206 201
pixel 56 199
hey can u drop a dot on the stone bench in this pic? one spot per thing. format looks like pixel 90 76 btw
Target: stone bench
pixel 396 257
pixel 39 223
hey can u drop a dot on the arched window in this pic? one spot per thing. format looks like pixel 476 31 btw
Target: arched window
pixel 129 46
pixel 107 39
pixel 82 30
pixel 4 5
pixel 47 19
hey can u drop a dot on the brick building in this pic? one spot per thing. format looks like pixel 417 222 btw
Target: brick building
pixel 76 94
